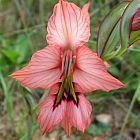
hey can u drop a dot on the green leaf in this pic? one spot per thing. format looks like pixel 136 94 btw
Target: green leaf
pixel 10 54
pixel 111 46
pixel 8 99
pixel 135 36
pixel 138 93
pixel 108 25
pixel 125 25
pixel 98 129
pixel 22 47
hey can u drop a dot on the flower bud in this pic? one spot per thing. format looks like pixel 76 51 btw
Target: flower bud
pixel 136 21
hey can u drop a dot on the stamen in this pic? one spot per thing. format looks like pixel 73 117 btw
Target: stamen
pixel 70 63
pixel 67 60
pixel 67 89
pixel 66 64
pixel 63 62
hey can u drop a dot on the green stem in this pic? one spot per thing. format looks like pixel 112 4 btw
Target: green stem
pixel 118 103
pixel 129 112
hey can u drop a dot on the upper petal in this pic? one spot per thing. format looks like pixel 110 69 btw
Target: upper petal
pixel 69 25
pixel 85 9
pixel 43 70
pixel 48 116
pixel 90 72
pixel 79 114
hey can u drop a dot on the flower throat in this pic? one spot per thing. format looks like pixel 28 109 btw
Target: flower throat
pixel 66 86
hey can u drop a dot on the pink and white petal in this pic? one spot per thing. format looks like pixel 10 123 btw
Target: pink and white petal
pixel 90 72
pixel 48 116
pixel 43 70
pixel 85 11
pixel 68 26
pixel 79 114
pixel 66 125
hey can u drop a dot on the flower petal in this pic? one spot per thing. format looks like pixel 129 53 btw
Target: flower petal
pixel 54 89
pixel 106 64
pixel 79 115
pixel 85 11
pixel 90 72
pixel 136 21
pixel 69 25
pixel 43 70
pixel 66 125
pixel 49 116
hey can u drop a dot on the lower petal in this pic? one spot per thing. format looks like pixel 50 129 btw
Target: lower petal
pixel 48 115
pixel 79 114
pixel 66 125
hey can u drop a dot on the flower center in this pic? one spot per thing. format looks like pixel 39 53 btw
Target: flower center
pixel 66 86
pixel 67 62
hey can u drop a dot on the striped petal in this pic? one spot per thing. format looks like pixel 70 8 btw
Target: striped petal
pixel 90 73
pixel 79 114
pixel 69 25
pixel 66 125
pixel 48 115
pixel 43 70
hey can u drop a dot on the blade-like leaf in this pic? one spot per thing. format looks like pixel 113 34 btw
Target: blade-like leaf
pixel 108 26
pixel 126 24
pixel 138 93
pixel 135 36
pixel 111 46
pixel 8 99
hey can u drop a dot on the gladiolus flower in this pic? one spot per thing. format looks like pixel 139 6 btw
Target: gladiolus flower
pixel 68 69
pixel 136 21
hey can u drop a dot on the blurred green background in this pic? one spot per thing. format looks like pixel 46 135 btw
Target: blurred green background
pixel 22 32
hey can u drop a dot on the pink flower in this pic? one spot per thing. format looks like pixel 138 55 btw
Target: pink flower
pixel 68 69
pixel 136 21
pixel 67 112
